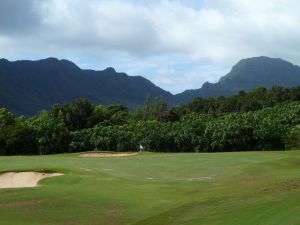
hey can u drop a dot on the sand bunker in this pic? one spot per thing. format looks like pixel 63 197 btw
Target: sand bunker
pixel 108 154
pixel 23 179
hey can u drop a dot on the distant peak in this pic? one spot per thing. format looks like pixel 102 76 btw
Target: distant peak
pixel 110 70
pixel 3 60
pixel 62 62
pixel 53 59
pixel 253 69
pixel 206 84
pixel 56 60
pixel 262 60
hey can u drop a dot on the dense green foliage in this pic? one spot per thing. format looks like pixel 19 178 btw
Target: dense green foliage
pixel 259 120
pixel 256 99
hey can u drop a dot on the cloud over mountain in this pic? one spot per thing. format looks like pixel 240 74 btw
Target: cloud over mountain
pixel 146 37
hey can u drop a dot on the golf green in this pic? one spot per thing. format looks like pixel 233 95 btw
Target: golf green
pixel 239 188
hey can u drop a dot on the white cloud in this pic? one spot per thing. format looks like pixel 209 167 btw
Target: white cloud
pixel 146 36
pixel 191 77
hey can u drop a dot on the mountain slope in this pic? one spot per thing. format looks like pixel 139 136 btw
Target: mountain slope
pixel 246 75
pixel 27 87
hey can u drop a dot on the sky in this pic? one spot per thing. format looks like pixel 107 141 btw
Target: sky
pixel 176 44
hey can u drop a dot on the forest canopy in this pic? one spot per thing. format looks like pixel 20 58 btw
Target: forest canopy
pixel 259 120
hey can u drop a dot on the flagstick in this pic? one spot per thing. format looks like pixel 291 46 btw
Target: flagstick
pixel 141 148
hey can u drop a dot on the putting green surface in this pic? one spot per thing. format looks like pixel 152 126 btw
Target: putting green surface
pixel 246 188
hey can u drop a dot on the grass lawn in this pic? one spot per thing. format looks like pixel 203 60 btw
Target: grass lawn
pixel 245 188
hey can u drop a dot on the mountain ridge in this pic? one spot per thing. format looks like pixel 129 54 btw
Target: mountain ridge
pixel 27 87
pixel 247 74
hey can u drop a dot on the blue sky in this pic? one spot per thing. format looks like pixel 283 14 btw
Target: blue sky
pixel 177 44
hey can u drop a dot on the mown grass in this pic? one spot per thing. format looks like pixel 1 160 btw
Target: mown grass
pixel 244 188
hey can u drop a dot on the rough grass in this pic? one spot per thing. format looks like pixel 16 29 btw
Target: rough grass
pixel 243 188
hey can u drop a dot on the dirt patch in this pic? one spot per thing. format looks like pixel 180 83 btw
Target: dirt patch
pixel 23 179
pixel 198 178
pixel 107 154
pixel 28 203
pixel 86 169
pixel 281 187
pixel 13 193
pixel 249 180
pixel 114 211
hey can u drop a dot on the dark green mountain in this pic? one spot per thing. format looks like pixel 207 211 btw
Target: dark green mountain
pixel 246 75
pixel 27 87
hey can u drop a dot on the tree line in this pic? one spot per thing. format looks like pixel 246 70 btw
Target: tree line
pixel 259 120
pixel 256 99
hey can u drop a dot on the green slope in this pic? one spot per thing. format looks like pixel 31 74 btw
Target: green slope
pixel 190 189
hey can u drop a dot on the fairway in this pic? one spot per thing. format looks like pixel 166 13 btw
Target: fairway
pixel 243 188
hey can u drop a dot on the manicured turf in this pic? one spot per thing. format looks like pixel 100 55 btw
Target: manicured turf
pixel 246 188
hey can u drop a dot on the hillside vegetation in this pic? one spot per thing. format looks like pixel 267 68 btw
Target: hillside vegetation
pixel 27 87
pixel 248 74
pixel 259 120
